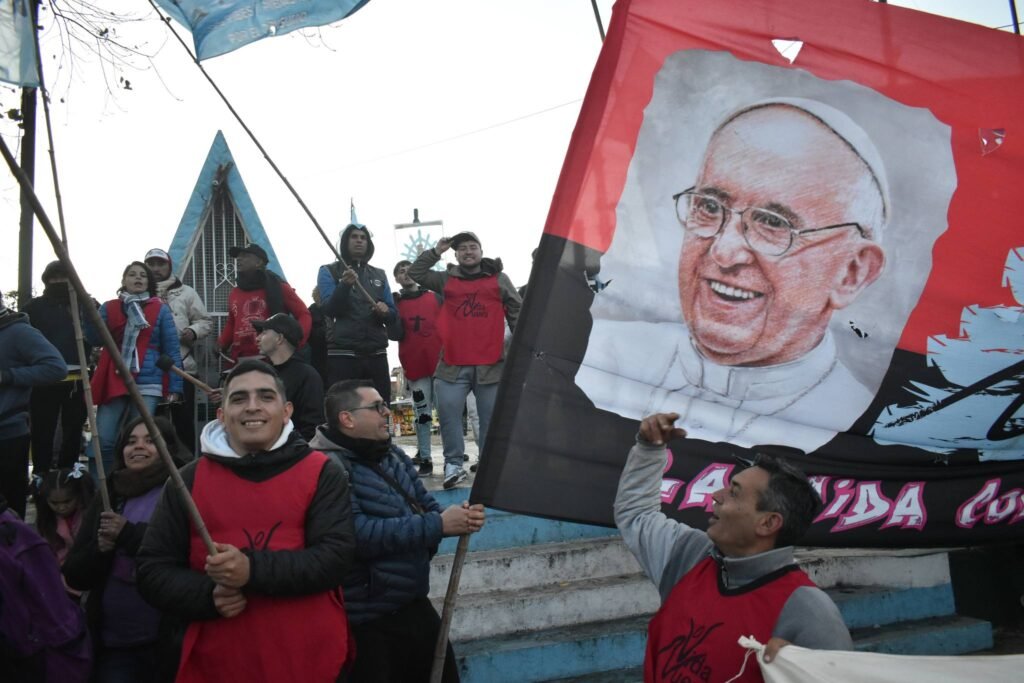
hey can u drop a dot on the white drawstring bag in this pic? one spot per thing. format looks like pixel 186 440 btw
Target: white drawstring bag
pixel 799 665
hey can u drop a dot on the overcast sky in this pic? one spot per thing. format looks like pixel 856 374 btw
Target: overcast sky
pixel 383 107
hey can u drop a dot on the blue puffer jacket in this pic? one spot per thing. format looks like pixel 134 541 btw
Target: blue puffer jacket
pixel 164 340
pixel 393 544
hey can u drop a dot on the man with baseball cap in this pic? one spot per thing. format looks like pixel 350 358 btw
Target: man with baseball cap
pixel 478 299
pixel 258 295
pixel 278 337
pixel 193 323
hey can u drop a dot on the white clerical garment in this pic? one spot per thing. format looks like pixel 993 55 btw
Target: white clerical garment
pixel 636 368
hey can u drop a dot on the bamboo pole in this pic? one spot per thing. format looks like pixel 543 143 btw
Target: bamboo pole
pixel 83 358
pixel 111 347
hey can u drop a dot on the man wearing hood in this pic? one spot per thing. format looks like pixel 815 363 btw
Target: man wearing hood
pixel 358 338
pixel 26 360
pixel 266 606
pixel 63 401
pixel 260 294
pixel 398 528
pixel 193 323
pixel 478 299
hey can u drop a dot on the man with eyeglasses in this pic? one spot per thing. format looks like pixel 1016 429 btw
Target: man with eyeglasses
pixel 781 229
pixel 398 528
pixel 737 579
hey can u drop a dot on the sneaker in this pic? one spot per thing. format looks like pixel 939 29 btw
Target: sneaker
pixel 426 467
pixel 453 476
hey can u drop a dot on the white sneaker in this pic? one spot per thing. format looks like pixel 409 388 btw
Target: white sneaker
pixel 453 476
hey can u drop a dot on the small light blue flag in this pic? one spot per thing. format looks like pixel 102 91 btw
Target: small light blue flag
pixel 220 26
pixel 17 44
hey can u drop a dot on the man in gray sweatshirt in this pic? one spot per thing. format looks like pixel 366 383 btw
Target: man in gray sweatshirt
pixel 737 579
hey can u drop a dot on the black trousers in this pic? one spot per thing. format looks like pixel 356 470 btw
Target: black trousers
pixel 373 368
pixel 182 416
pixel 63 402
pixel 14 472
pixel 399 648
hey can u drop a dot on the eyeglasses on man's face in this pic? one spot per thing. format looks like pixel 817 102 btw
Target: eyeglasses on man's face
pixel 380 406
pixel 764 231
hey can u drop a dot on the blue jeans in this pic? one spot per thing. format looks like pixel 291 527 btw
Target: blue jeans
pixel 109 418
pixel 422 391
pixel 451 399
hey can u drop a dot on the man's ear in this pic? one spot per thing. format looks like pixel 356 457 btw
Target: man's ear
pixel 345 420
pixel 220 415
pixel 770 524
pixel 288 410
pixel 864 267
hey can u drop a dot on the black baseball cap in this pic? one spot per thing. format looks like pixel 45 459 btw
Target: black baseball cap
pixel 282 323
pixel 254 249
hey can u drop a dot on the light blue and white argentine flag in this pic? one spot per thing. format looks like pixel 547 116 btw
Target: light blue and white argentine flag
pixel 220 26
pixel 17 44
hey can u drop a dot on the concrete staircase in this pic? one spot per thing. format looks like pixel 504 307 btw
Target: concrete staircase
pixel 542 600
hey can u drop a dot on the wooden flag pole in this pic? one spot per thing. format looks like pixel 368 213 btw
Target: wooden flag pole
pixel 441 647
pixel 111 347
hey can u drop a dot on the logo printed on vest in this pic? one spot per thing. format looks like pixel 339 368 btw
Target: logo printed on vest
pixel 681 662
pixel 262 539
pixel 469 308
pixel 416 320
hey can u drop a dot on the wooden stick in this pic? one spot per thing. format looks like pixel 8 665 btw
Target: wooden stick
pixel 111 347
pixel 166 363
pixel 448 609
pixel 83 361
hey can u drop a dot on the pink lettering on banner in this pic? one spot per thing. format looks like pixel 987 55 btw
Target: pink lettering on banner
pixel 869 505
pixel 712 478
pixel 819 483
pixel 970 512
pixel 669 487
pixel 1003 507
pixel 908 512
pixel 844 489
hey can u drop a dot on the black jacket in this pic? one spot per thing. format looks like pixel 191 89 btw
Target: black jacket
pixel 51 315
pixel 167 582
pixel 357 329
pixel 304 388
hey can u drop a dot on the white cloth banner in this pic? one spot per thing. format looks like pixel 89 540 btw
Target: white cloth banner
pixel 799 665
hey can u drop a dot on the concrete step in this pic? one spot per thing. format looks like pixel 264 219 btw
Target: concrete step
pixel 507 530
pixel 874 606
pixel 632 675
pixel 494 613
pixel 833 567
pixel 562 652
pixel 949 635
pixel 522 567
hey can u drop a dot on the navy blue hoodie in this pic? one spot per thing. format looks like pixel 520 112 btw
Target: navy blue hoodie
pixel 26 360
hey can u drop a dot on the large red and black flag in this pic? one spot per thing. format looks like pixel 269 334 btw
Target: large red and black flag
pixel 795 224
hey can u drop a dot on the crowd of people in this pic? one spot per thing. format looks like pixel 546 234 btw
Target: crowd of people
pixel 320 528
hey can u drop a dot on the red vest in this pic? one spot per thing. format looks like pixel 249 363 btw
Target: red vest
pixel 693 636
pixel 106 384
pixel 421 345
pixel 275 639
pixel 473 324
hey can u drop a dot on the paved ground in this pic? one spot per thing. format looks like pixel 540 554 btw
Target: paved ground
pixel 434 481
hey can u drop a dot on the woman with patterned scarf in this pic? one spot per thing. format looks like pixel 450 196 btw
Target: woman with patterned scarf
pixel 142 325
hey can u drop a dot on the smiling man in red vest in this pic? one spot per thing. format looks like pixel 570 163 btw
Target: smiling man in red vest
pixel 267 606
pixel 478 299
pixel 737 579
